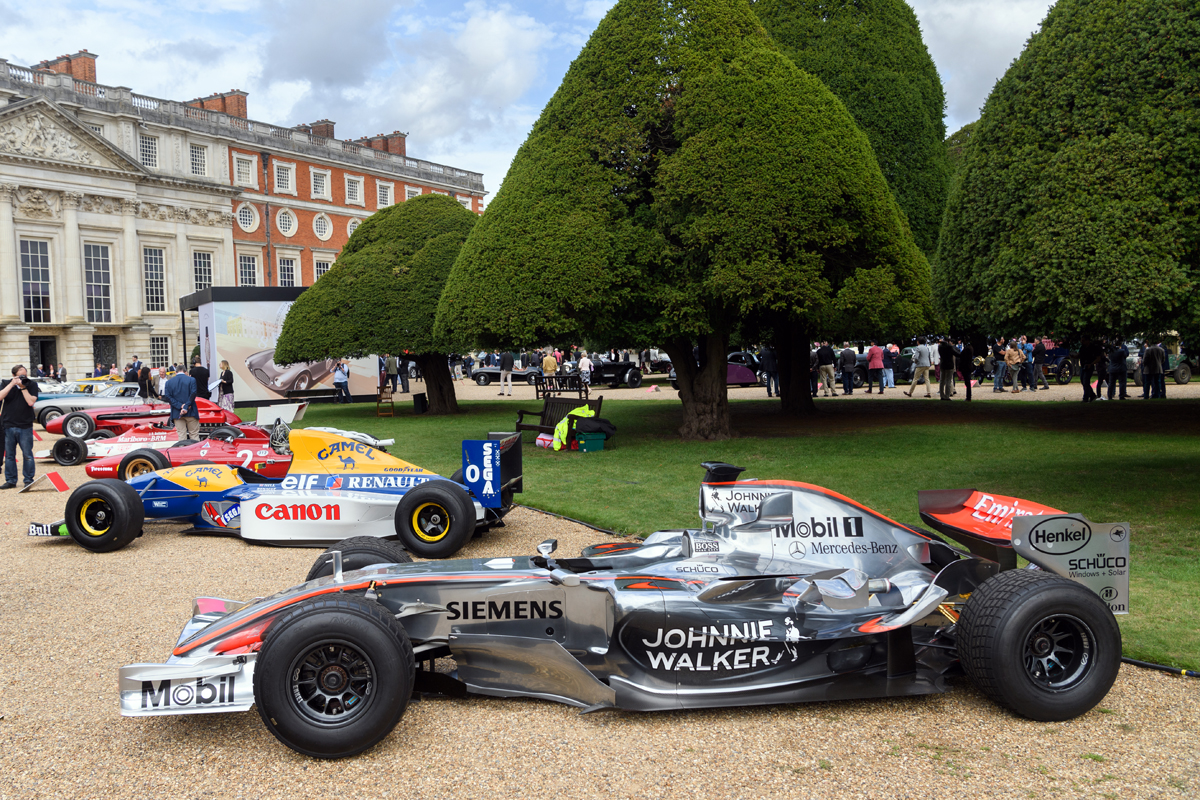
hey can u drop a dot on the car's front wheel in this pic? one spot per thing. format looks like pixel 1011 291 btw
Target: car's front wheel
pixel 48 415
pixel 1183 374
pixel 483 379
pixel 104 515
pixel 435 519
pixel 139 462
pixel 334 676
pixel 633 378
pixel 1065 372
pixel 1044 646
pixel 78 425
pixel 69 451
pixel 358 552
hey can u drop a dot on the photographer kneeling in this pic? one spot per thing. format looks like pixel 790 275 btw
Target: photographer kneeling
pixel 17 397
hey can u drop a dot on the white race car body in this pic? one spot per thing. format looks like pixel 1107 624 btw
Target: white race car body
pixel 143 437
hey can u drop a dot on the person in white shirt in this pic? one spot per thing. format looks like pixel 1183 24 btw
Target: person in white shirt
pixel 585 369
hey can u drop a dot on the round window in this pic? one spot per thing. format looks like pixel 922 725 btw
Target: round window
pixel 321 227
pixel 286 222
pixel 247 217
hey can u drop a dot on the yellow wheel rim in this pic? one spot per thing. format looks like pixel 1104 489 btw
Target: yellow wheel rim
pixel 138 467
pixel 430 522
pixel 100 513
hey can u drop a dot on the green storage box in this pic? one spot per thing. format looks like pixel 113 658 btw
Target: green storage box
pixel 590 442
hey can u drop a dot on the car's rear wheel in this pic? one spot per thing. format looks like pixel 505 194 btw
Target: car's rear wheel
pixel 633 378
pixel 48 415
pixel 226 433
pixel 69 451
pixel 104 515
pixel 1183 374
pixel 102 433
pixel 78 425
pixel 1137 377
pixel 532 378
pixel 140 462
pixel 1041 645
pixel 334 676
pixel 359 552
pixel 1066 371
pixel 483 379
pixel 435 519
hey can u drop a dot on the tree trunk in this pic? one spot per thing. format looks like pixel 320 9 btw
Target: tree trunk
pixel 702 387
pixel 439 385
pixel 792 353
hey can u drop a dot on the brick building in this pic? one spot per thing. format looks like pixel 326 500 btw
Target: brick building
pixel 113 205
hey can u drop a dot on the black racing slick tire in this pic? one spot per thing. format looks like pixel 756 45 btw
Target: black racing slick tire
pixel 139 462
pixel 69 451
pixel 457 476
pixel 359 552
pixel 81 426
pixel 334 676
pixel 1040 645
pixel 633 378
pixel 104 515
pixel 435 519
pixel 225 433
pixel 102 433
pixel 483 379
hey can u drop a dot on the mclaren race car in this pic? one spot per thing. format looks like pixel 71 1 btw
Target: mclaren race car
pixel 787 593
pixel 336 487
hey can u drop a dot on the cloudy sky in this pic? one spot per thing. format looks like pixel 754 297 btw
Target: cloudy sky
pixel 465 80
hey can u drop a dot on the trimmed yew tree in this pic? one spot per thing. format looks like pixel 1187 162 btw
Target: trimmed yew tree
pixel 381 295
pixel 1076 208
pixel 871 55
pixel 684 177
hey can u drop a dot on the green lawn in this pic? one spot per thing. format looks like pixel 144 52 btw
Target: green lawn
pixel 1133 462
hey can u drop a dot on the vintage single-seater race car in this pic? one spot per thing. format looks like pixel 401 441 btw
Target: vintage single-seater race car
pixel 788 593
pixel 85 424
pixel 336 487
pixel 131 453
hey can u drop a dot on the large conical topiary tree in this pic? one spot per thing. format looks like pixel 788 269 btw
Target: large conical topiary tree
pixel 381 295
pixel 871 55
pixel 685 176
pixel 1076 208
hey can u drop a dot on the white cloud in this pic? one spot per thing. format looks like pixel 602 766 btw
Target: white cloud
pixel 973 42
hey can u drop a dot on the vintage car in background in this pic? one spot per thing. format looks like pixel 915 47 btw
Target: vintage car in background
pixel 134 411
pixel 742 369
pixel 108 395
pixel 290 378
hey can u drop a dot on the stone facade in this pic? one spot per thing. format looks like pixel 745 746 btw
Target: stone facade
pixel 114 205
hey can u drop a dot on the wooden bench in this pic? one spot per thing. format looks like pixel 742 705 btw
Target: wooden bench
pixel 553 411
pixel 553 385
pixel 312 395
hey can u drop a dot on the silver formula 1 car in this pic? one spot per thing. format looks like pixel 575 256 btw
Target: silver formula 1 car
pixel 787 593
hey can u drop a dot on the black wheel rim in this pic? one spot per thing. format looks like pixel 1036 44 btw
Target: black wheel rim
pixel 69 451
pixel 331 683
pixel 77 427
pixel 1059 652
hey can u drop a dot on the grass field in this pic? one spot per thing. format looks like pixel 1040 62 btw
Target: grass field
pixel 1130 462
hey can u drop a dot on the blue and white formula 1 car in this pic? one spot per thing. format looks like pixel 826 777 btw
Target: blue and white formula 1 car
pixel 335 488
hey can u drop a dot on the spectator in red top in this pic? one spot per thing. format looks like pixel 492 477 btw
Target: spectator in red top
pixel 874 366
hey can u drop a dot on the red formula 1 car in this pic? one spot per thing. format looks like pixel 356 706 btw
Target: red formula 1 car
pixel 84 424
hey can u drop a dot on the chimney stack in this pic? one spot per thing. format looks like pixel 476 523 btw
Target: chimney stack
pixel 395 143
pixel 322 128
pixel 81 66
pixel 231 103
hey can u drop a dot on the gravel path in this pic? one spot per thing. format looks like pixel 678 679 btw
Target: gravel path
pixel 70 619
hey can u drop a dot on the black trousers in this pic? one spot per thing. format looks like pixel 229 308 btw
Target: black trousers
pixel 1085 375
pixel 1114 378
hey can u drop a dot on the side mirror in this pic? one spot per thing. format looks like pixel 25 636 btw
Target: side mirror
pixel 547 547
pixel 776 509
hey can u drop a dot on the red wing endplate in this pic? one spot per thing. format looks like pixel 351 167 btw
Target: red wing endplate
pixel 976 515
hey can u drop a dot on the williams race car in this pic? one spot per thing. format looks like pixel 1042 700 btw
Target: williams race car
pixel 335 487
pixel 788 593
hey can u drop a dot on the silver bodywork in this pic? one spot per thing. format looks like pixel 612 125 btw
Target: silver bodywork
pixel 788 593
pixel 111 396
